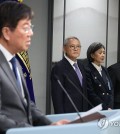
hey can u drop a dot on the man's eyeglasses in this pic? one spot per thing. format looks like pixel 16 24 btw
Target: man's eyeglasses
pixel 27 29
pixel 74 47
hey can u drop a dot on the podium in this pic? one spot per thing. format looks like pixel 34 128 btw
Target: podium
pixel 109 125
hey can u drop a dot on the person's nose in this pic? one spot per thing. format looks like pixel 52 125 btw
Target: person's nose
pixel 30 32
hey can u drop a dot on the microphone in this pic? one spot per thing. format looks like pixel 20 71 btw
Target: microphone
pixel 59 82
pixel 79 91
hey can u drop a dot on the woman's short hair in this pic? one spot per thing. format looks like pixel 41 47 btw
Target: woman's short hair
pixel 92 49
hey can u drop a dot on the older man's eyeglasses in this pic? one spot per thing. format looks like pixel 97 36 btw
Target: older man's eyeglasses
pixel 74 47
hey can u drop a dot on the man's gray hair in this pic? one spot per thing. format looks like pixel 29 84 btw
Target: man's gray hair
pixel 66 41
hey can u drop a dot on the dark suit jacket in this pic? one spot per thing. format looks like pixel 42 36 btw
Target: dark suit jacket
pixel 61 102
pixel 14 112
pixel 98 90
pixel 114 71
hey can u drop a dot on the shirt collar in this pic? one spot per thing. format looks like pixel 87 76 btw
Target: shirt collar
pixel 6 53
pixel 70 61
pixel 99 68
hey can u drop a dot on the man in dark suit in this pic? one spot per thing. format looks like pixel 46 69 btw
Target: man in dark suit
pixel 16 109
pixel 114 72
pixel 65 70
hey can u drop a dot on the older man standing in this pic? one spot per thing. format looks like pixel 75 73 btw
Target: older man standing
pixel 69 69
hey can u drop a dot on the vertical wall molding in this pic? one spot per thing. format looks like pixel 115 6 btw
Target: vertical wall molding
pixel 107 17
pixel 49 55
pixel 64 15
pixel 118 50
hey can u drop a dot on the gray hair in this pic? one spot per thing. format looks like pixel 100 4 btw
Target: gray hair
pixel 67 40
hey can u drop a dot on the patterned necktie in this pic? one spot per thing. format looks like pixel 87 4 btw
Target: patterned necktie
pixel 14 66
pixel 77 70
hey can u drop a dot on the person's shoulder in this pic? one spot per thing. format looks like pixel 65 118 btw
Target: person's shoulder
pixel 114 66
pixel 58 64
pixel 83 62
pixel 86 64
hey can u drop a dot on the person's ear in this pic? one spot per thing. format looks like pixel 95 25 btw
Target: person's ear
pixel 6 33
pixel 64 49
pixel 92 56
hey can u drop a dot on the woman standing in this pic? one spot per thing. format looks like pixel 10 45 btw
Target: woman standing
pixel 100 89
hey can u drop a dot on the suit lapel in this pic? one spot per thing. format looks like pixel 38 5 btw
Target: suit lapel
pixel 97 75
pixel 23 83
pixel 69 70
pixel 6 68
pixel 25 91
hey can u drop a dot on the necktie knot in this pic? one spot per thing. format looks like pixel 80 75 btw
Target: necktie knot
pixel 75 65
pixel 13 61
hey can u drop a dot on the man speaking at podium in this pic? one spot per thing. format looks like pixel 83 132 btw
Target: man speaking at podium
pixel 16 109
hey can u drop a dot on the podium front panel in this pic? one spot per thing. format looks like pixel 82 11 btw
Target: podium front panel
pixel 79 128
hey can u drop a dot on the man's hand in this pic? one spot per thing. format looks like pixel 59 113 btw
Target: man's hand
pixel 61 122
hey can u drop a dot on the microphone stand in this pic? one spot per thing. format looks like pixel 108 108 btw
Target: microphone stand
pixel 69 97
pixel 79 90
